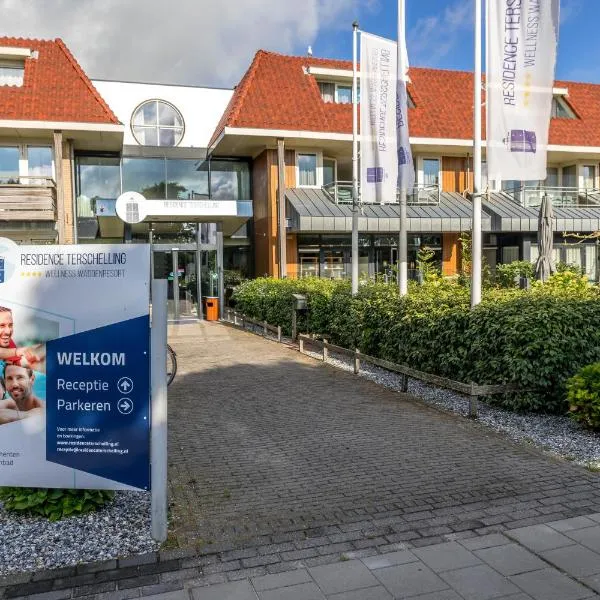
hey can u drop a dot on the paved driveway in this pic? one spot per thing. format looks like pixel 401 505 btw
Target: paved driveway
pixel 271 447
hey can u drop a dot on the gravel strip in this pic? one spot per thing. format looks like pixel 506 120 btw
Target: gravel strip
pixel 556 434
pixel 33 543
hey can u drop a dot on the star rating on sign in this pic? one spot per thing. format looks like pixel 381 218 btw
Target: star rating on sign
pixel 527 93
pixel 31 273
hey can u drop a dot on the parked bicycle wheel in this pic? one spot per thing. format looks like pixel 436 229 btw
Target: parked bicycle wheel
pixel 171 364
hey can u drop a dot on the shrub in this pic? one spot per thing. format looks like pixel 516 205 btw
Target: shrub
pixel 583 395
pixel 54 504
pixel 533 339
pixel 506 275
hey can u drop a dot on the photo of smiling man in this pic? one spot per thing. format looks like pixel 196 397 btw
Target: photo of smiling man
pixel 22 403
pixel 22 389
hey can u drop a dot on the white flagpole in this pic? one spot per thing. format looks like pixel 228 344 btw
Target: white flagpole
pixel 354 160
pixel 476 220
pixel 403 237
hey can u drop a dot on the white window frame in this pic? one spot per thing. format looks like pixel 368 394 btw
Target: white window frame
pixel 582 176
pixel 157 126
pixel 565 106
pixel 562 173
pixel 421 169
pixel 24 158
pixel 336 87
pixel 17 65
pixel 344 85
pixel 324 158
pixel 319 174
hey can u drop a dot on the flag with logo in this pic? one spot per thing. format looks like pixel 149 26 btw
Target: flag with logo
pixel 521 51
pixel 378 149
pixel 406 170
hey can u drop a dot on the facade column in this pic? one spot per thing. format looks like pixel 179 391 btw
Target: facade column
pixel 525 249
pixel 199 270
pixel 281 227
pixel 220 268
pixel 60 185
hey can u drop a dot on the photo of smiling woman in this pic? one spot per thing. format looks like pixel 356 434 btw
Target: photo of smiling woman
pixel 22 375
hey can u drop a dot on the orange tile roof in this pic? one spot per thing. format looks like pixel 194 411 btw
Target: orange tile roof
pixel 275 93
pixel 55 88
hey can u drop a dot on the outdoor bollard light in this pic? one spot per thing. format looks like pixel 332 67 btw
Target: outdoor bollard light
pixel 300 305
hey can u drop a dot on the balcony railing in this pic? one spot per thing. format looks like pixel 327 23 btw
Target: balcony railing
pixel 340 192
pixel 27 199
pixel 528 196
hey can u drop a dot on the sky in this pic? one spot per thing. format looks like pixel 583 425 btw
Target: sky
pixel 212 42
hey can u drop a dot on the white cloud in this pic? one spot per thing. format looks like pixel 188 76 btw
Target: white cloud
pixel 569 9
pixel 432 38
pixel 202 42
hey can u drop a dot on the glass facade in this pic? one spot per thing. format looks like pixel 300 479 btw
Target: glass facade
pixel 101 179
pixel 330 256
pixel 229 180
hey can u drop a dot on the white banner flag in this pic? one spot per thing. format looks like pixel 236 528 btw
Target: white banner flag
pixel 378 152
pixel 406 170
pixel 523 36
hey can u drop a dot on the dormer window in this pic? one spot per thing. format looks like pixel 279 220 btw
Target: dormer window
pixel 12 65
pixel 561 109
pixel 12 72
pixel 340 93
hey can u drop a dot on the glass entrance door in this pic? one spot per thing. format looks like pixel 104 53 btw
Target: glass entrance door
pixel 180 269
pixel 187 284
pixel 162 261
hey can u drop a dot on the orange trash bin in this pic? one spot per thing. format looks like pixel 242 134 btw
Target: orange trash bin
pixel 211 309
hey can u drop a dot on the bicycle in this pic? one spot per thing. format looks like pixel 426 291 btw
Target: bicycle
pixel 171 364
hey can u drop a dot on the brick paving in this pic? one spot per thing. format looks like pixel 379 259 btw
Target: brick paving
pixel 279 464
pixel 273 450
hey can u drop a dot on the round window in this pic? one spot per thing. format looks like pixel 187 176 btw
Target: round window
pixel 157 123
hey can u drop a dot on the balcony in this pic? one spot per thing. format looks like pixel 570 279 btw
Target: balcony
pixel 340 192
pixel 28 199
pixel 561 197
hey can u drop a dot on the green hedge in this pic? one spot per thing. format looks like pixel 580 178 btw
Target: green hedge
pixel 535 339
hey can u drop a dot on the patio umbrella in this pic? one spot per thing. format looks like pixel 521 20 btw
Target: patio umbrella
pixel 544 266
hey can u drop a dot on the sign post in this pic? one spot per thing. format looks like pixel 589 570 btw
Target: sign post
pixel 158 451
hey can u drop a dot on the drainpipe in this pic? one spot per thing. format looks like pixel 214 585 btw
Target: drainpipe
pixel 281 208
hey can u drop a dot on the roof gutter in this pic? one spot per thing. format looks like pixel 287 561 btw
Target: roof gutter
pixel 63 125
pixel 347 137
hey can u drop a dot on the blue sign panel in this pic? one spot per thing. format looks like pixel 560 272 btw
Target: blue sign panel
pixel 98 390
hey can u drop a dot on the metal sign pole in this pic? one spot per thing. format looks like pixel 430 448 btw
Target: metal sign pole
pixel 476 218
pixel 355 205
pixel 158 433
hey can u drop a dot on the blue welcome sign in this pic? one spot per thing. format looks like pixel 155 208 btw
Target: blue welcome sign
pixel 75 366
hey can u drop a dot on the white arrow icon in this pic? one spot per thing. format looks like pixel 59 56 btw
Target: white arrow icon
pixel 125 406
pixel 125 385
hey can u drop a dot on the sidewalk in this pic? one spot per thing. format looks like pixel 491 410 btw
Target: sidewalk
pixel 555 561
pixel 543 562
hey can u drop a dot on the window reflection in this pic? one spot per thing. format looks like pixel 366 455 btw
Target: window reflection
pixel 98 187
pixel 9 164
pixel 39 161
pixel 185 181
pixel 98 179
pixel 178 233
pixel 146 176
pixel 229 180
